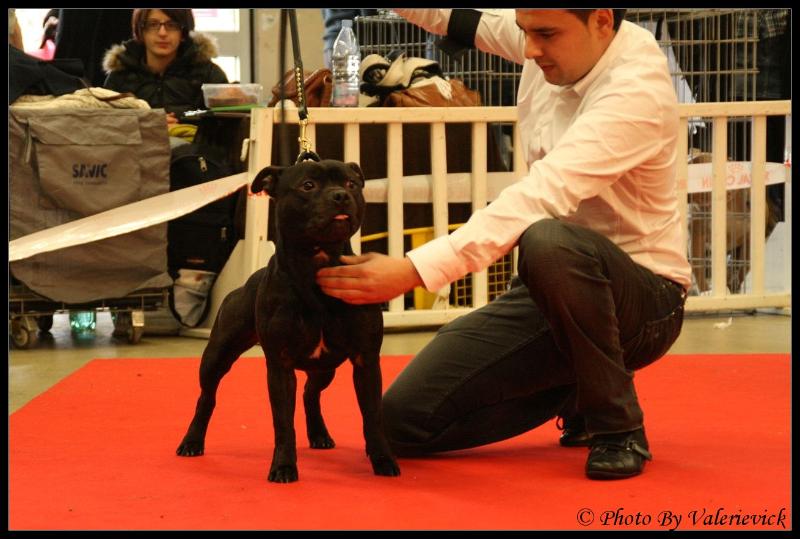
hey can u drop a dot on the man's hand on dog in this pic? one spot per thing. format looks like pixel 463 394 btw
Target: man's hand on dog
pixel 369 278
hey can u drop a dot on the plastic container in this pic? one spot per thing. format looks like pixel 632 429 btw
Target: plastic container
pixel 230 95
pixel 345 61
pixel 82 322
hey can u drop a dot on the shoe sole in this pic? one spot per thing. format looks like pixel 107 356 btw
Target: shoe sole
pixel 605 476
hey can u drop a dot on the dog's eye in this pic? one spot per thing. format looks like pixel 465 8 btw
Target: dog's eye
pixel 350 184
pixel 308 185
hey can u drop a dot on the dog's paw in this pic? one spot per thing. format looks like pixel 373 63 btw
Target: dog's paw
pixel 283 474
pixel 385 465
pixel 190 449
pixel 321 441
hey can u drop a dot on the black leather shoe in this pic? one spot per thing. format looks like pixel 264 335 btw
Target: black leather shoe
pixel 574 432
pixel 617 456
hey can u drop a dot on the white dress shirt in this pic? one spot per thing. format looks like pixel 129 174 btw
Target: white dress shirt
pixel 601 153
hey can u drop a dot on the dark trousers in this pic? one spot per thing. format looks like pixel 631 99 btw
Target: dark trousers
pixel 565 339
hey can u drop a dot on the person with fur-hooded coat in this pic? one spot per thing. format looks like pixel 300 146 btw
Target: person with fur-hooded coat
pixel 165 63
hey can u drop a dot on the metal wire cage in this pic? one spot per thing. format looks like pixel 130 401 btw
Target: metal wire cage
pixel 713 56
pixel 495 78
pixel 498 276
pixel 712 53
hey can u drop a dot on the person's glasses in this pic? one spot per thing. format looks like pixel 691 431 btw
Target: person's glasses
pixel 155 26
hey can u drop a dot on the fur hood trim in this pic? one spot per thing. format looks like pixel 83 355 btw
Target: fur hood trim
pixel 206 49
pixel 111 59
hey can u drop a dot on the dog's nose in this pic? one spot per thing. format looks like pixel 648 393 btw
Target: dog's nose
pixel 339 196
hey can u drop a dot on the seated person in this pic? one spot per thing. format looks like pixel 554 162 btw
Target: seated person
pixel 165 63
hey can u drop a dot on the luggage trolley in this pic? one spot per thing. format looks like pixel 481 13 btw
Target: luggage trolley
pixel 67 163
pixel 30 313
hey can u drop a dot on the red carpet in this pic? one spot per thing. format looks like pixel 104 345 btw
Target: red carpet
pixel 97 451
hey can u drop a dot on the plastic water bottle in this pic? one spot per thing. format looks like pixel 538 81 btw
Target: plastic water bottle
pixel 82 322
pixel 345 59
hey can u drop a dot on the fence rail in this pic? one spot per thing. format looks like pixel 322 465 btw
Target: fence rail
pixel 479 186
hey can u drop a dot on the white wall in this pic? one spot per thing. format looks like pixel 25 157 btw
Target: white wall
pixel 267 29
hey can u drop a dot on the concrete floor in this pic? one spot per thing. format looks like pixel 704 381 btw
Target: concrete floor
pixel 58 353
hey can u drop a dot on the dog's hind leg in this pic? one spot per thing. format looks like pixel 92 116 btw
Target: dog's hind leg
pixel 318 436
pixel 233 333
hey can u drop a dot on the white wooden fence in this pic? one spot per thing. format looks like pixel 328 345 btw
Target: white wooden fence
pixel 479 187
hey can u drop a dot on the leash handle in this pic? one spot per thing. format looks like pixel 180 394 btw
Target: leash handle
pixel 306 153
pixel 298 63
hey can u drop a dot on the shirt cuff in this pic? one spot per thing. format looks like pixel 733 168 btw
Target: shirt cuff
pixel 437 263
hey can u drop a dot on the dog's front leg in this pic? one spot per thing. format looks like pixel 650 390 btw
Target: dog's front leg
pixel 367 382
pixel 282 385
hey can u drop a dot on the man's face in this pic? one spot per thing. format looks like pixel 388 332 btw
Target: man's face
pixel 161 39
pixel 563 45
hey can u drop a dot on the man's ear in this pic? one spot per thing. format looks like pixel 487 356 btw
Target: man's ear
pixel 604 19
pixel 357 169
pixel 267 180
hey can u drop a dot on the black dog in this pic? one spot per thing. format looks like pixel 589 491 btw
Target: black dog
pixel 318 207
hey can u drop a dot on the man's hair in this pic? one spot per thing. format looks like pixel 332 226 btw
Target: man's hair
pixel 583 15
pixel 183 17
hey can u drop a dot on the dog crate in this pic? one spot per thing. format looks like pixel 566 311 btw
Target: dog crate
pixel 713 56
pixel 498 278
pixel 495 78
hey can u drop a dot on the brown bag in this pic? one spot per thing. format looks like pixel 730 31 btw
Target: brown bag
pixel 318 88
pixel 429 95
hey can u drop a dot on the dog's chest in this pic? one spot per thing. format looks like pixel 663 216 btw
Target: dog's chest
pixel 321 347
pixel 322 352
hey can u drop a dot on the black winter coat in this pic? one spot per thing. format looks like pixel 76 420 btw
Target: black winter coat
pixel 179 88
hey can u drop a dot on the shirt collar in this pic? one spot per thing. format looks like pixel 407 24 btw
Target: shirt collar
pixel 608 56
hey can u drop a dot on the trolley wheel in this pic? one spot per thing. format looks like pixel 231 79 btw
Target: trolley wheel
pixel 45 322
pixel 22 336
pixel 135 334
pixel 122 323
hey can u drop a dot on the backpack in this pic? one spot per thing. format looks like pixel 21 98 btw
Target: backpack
pixel 204 238
pixel 199 243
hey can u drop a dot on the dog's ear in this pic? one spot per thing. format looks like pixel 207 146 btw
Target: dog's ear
pixel 267 180
pixel 357 169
